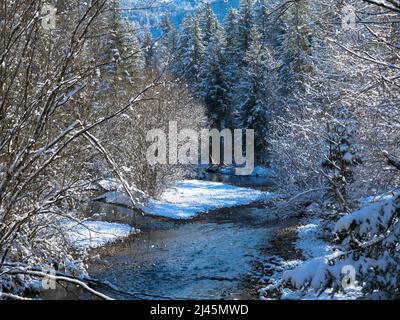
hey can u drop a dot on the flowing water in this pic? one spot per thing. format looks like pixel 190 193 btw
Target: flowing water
pixel 209 257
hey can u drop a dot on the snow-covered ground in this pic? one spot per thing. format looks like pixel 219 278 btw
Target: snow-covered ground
pixel 309 243
pixel 186 200
pixel 193 197
pixel 93 234
pixel 313 248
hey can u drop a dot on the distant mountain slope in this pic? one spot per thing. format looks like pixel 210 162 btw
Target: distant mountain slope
pixel 151 11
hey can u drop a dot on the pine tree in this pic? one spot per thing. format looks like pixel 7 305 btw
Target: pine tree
pixel 208 23
pixel 246 23
pixel 297 47
pixel 169 40
pixel 233 56
pixel 130 61
pixel 190 52
pixel 149 52
pixel 214 87
pixel 269 24
pixel 231 26
pixel 257 92
pixel 122 51
pixel 341 156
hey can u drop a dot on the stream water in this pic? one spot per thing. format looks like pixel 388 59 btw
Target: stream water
pixel 209 257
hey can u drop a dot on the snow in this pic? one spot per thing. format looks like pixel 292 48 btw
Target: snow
pixel 93 234
pixel 309 243
pixel 366 226
pixel 317 254
pixel 370 219
pixel 190 198
pixel 109 184
pixel 351 294
pixel 376 198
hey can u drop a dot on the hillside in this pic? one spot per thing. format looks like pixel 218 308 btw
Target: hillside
pixel 151 11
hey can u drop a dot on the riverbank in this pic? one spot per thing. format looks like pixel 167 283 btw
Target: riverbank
pixel 193 249
pixel 210 257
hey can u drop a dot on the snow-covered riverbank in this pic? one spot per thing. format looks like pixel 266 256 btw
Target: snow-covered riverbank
pixel 186 200
pixel 190 198
pixel 94 234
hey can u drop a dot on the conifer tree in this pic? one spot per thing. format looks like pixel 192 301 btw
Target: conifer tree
pixel 190 52
pixel 257 91
pixel 297 47
pixel 214 87
pixel 341 156
pixel 208 23
pixel 149 52
pixel 122 53
pixel 168 41
pixel 232 58
pixel 245 24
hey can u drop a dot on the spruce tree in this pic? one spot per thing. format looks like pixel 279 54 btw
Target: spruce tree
pixel 168 41
pixel 233 57
pixel 122 53
pixel 208 23
pixel 341 156
pixel 190 52
pixel 297 47
pixel 257 92
pixel 149 52
pixel 214 87
pixel 246 23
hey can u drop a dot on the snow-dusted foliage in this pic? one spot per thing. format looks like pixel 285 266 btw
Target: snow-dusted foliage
pixel 369 243
pixel 67 90
pixel 331 71
pixel 318 81
pixel 46 84
pixel 126 136
pixel 228 66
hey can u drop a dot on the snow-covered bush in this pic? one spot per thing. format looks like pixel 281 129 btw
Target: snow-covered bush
pixel 49 91
pixel 368 244
pixel 126 136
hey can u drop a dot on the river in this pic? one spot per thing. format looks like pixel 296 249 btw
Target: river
pixel 210 257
